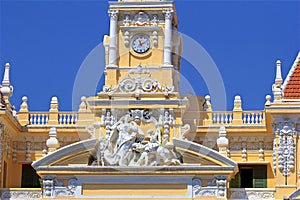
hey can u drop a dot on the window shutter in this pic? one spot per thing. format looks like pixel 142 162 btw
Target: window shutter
pixel 260 176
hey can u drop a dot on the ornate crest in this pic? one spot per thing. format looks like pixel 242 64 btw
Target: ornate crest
pixel 141 19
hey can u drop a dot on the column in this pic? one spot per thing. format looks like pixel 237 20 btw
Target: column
pixel 168 38
pixel 113 38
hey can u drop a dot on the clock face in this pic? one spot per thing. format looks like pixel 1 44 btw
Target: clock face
pixel 140 43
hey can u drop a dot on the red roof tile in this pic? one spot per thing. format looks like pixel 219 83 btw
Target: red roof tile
pixel 292 82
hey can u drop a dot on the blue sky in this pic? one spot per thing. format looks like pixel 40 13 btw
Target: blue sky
pixel 46 42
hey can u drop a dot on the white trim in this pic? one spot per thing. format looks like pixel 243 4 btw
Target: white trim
pixel 291 72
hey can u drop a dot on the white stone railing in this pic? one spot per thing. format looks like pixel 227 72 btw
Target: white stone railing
pixel 251 193
pixel 38 118
pixel 67 118
pixel 42 118
pixel 253 117
pixel 222 117
pixel 20 194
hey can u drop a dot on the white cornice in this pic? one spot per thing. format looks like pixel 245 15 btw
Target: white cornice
pixel 139 5
pixel 287 79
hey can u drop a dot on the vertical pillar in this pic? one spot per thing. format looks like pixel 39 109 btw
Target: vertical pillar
pixel 168 38
pixel 85 116
pixel 53 112
pixel 222 141
pixel 237 111
pixel 6 89
pixel 277 87
pixel 52 143
pixel 113 38
pixel 23 115
pixel 208 119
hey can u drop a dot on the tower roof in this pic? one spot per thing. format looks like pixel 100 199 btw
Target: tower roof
pixel 291 85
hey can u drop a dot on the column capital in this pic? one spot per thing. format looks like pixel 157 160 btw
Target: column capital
pixel 168 14
pixel 113 14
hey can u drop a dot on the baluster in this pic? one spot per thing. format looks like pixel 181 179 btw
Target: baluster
pixel 47 118
pixel 38 118
pixel 76 118
pixel 70 118
pixel 34 119
pixel 260 118
pixel 73 119
pixel 221 118
pixel 230 118
pixel 226 118
pixel 42 118
pixel 252 118
pixel 63 119
pixel 218 118
pixel 256 118
pixel 214 118
pixel 60 118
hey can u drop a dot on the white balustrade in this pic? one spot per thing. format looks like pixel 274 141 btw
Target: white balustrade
pixel 67 118
pixel 253 117
pixel 222 117
pixel 42 118
pixel 38 118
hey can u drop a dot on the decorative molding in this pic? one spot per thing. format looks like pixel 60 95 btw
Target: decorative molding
pixel 286 151
pixel 28 154
pixel 113 14
pixel 20 194
pixel 136 84
pixel 141 19
pixel 168 14
pixel 251 194
pixel 155 38
pixel 217 187
pixel 166 120
pixel 155 20
pixel 127 20
pixel 53 188
pixel 14 157
pixel 126 38
pixel 108 120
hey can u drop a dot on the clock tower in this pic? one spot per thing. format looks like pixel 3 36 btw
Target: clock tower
pixel 143 39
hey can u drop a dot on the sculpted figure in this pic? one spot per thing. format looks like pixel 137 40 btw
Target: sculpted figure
pixel 148 150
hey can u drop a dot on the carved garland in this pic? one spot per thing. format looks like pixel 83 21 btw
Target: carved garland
pixel 286 150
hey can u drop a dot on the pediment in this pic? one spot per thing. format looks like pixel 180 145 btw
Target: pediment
pixel 78 154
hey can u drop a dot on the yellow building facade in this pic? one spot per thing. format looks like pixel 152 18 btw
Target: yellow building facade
pixel 139 138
